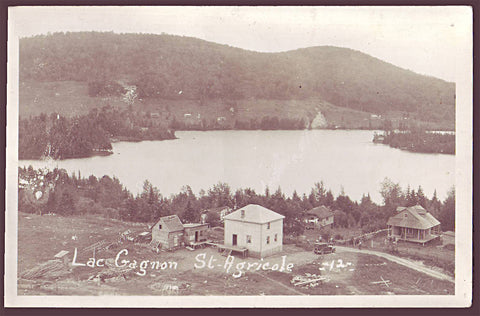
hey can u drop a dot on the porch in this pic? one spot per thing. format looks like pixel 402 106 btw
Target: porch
pixel 230 249
pixel 421 241
pixel 421 236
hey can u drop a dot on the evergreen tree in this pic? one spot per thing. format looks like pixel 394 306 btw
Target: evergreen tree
pixel 66 205
pixel 410 197
pixel 447 213
pixel 189 216
pixel 329 199
pixel 420 196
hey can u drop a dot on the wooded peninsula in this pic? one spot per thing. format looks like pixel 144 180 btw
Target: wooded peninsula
pixel 418 141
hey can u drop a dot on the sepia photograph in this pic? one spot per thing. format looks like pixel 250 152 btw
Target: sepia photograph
pixel 210 156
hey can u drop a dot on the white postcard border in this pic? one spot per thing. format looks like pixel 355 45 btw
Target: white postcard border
pixel 463 262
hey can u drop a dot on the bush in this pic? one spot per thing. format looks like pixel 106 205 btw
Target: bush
pixel 111 213
pixel 86 205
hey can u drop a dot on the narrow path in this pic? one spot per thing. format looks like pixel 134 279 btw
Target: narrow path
pixel 405 262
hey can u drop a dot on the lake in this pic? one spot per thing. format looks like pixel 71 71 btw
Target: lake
pixel 293 160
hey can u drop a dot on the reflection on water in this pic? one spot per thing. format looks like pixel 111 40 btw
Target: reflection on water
pixel 293 160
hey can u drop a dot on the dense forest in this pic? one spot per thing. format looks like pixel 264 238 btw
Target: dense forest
pixel 60 137
pixel 419 141
pixel 166 67
pixel 73 194
pixel 259 123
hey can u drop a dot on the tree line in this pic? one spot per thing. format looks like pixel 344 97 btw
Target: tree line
pixel 421 141
pixel 263 123
pixel 174 67
pixel 59 137
pixel 106 196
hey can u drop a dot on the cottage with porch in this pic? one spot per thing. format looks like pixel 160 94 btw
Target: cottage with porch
pixel 256 229
pixel 413 224
pixel 318 217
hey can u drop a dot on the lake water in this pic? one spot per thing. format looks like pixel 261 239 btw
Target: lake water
pixel 293 160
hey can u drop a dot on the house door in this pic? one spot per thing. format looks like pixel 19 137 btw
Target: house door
pixel 196 236
pixel 234 240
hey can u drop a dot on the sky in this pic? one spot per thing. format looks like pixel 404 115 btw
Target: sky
pixel 426 40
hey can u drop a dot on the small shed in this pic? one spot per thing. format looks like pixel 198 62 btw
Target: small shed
pixel 168 232
pixel 194 233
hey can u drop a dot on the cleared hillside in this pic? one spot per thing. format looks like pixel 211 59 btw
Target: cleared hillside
pixel 172 70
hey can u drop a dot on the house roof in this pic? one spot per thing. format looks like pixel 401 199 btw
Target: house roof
pixel 194 225
pixel 172 223
pixel 416 217
pixel 254 213
pixel 216 209
pixel 320 212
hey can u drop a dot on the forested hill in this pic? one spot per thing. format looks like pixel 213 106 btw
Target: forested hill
pixel 182 68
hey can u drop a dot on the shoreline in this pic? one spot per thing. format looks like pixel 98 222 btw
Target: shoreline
pixel 138 140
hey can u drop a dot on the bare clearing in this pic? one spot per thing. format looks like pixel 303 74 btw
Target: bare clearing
pixel 204 271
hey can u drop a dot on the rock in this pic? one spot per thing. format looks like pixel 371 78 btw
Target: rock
pixel 319 121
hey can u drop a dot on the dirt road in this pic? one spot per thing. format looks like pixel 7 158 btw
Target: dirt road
pixel 405 262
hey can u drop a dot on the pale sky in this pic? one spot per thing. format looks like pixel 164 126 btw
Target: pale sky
pixel 426 40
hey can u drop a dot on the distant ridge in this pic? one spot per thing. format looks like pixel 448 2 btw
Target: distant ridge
pixel 167 67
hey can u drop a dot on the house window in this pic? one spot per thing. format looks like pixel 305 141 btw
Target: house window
pixel 268 225
pixel 268 240
pixel 160 226
pixel 201 233
pixel 406 215
pixel 249 239
pixel 275 239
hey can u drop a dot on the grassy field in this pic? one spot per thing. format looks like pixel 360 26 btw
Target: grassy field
pixel 433 254
pixel 71 98
pixel 41 237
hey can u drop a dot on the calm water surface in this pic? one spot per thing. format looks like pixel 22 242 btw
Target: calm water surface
pixel 293 160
